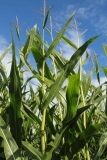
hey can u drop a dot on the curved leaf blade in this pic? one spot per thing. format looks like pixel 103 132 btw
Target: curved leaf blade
pixel 11 149
pixel 31 151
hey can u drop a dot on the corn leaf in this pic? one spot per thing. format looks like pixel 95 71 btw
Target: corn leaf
pixel 97 67
pixel 11 149
pixel 71 44
pixel 46 17
pixel 31 151
pixel 102 145
pixel 17 28
pixel 31 115
pixel 72 96
pixel 82 33
pixel 59 60
pixel 76 56
pixel 54 89
pixel 84 137
pixel 5 52
pixel 65 128
pixel 105 71
pixel 64 73
pixel 26 48
pixel 39 61
pixel 105 49
pixel 15 99
pixel 58 38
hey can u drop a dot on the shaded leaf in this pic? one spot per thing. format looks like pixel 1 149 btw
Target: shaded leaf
pixel 11 149
pixel 57 39
pixel 31 151
pixel 72 95
pixel 15 99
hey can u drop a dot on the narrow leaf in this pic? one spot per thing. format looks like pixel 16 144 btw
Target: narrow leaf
pixel 105 71
pixel 11 149
pixel 71 44
pixel 97 67
pixel 76 56
pixel 6 51
pixel 72 95
pixel 84 137
pixel 31 151
pixel 54 89
pixel 58 38
pixel 15 99
pixel 105 49
pixel 17 28
pixel 102 145
pixel 46 17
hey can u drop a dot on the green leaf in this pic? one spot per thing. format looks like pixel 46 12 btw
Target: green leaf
pixel 49 121
pixel 90 116
pixel 105 49
pixel 31 115
pixel 72 95
pixel 82 33
pixel 26 63
pixel 17 28
pixel 99 99
pixel 39 61
pixel 105 71
pixel 48 154
pixel 15 99
pixel 6 51
pixel 59 60
pixel 25 50
pixel 68 68
pixel 48 31
pixel 58 38
pixel 97 67
pixel 54 89
pixel 84 137
pixel 72 121
pixel 102 145
pixel 46 17
pixel 86 83
pixel 48 82
pixel 76 56
pixel 65 128
pixel 11 149
pixel 31 151
pixel 71 44
pixel 3 74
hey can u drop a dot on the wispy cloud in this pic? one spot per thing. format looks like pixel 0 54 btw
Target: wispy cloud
pixel 3 44
pixel 100 24
pixel 8 58
pixel 86 12
pixel 102 80
pixel 91 11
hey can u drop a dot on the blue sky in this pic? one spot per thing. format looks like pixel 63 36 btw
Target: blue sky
pixel 91 14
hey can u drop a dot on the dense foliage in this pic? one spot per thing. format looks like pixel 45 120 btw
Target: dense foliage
pixel 64 117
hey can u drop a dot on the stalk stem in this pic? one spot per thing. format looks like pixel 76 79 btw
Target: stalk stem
pixel 43 138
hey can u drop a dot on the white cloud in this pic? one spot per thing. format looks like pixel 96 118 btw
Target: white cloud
pixel 8 57
pixel 100 23
pixel 86 12
pixel 99 2
pixel 91 11
pixel 102 80
pixel 3 44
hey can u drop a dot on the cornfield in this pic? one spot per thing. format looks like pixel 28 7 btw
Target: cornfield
pixel 65 116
